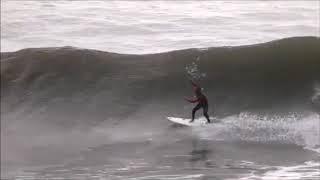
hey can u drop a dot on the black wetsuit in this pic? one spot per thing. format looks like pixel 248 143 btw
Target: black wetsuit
pixel 202 102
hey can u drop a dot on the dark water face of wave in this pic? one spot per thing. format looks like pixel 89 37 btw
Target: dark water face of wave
pixel 56 102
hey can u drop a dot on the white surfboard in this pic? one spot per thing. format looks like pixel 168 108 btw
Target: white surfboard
pixel 186 122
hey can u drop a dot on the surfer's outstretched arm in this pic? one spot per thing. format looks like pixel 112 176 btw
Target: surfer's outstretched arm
pixel 194 100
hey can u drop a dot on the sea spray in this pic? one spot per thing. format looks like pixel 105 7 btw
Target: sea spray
pixel 249 127
pixel 194 71
pixel 316 95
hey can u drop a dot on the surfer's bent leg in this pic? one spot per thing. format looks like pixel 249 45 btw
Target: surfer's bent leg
pixel 205 112
pixel 198 106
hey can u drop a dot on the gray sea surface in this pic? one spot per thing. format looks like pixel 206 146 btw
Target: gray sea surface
pixel 152 26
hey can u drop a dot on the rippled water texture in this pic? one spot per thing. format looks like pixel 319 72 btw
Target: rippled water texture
pixel 156 26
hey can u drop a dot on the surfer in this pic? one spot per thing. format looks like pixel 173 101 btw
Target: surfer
pixel 201 99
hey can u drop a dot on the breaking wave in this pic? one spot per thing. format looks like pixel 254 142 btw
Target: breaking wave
pixel 247 127
pixel 66 95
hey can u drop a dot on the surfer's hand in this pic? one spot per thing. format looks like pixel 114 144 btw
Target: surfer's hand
pixel 188 99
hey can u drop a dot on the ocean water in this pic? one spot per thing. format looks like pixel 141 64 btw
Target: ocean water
pixel 152 26
pixel 78 114
pixel 69 113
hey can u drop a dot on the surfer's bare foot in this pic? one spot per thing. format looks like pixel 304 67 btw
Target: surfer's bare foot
pixel 191 121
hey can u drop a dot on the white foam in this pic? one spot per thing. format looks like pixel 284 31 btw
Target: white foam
pixel 170 177
pixel 307 170
pixel 304 131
